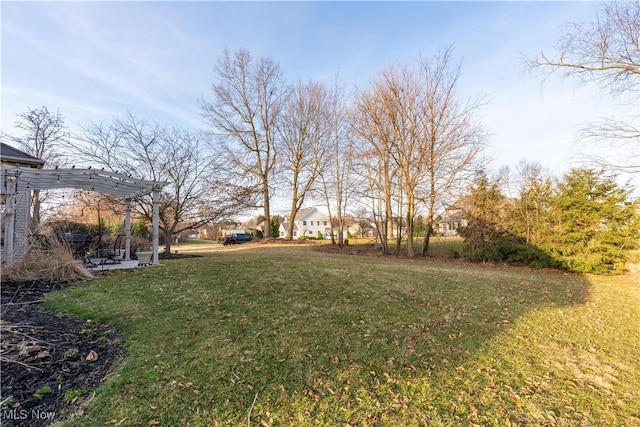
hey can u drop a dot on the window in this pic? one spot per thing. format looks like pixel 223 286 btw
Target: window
pixel 304 222
pixel 325 223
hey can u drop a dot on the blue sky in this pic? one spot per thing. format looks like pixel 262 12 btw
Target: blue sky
pixel 96 60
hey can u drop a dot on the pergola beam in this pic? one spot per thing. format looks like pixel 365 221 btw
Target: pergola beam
pixel 106 182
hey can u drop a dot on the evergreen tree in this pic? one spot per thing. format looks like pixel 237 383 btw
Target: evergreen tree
pixel 274 225
pixel 484 210
pixel 597 226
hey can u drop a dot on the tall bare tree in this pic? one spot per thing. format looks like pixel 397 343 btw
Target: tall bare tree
pixel 374 135
pixel 605 52
pixel 148 150
pixel 304 142
pixel 402 95
pixel 420 140
pixel 248 97
pixel 337 181
pixel 529 213
pixel 453 136
pixel 44 135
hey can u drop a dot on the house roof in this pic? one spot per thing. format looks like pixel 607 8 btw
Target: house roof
pixel 306 212
pixel 285 225
pixel 9 154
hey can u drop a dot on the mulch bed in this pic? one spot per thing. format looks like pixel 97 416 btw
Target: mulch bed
pixel 51 363
pixel 177 255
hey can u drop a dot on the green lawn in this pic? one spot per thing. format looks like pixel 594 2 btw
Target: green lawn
pixel 288 336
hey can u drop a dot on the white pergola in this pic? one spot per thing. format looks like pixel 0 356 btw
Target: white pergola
pixel 22 180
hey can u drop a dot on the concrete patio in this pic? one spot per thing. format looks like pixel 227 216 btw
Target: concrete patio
pixel 115 266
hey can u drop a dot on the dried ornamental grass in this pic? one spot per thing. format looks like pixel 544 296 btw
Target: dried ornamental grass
pixel 53 263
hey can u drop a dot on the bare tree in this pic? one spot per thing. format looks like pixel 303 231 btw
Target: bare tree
pixel 394 117
pixel 605 52
pixel 44 134
pixel 453 136
pixel 419 141
pixel 373 161
pixel 248 97
pixel 375 193
pixel 530 210
pixel 303 147
pixel 402 94
pixel 337 181
pixel 193 199
pixel 148 150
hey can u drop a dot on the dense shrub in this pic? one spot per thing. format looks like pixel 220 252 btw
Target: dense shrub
pixel 585 223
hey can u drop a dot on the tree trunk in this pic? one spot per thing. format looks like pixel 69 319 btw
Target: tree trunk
pixel 35 211
pixel 430 214
pixel 387 204
pixel 427 239
pixel 292 216
pixel 410 214
pixel 167 240
pixel 266 233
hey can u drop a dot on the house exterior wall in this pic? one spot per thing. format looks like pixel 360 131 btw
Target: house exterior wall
pixel 16 204
pixel 230 231
pixel 451 226
pixel 309 222
pixel 313 224
pixel 15 219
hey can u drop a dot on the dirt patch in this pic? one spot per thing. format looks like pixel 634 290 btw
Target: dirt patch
pixel 51 364
pixel 370 250
pixel 277 241
pixel 176 255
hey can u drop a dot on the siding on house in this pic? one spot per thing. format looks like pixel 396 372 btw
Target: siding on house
pixel 308 222
pixel 454 218
pixel 16 204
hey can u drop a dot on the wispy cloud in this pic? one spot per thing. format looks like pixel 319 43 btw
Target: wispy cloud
pixel 156 58
pixel 134 71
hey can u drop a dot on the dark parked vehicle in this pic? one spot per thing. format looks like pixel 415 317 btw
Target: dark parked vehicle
pixel 236 238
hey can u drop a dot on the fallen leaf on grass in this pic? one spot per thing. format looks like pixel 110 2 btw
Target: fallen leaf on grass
pixel 92 356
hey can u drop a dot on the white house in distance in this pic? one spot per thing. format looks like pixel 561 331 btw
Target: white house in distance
pixel 308 222
pixel 454 218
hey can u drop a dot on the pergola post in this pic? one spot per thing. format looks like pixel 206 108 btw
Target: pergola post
pixel 155 224
pixel 127 229
pixel 21 210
